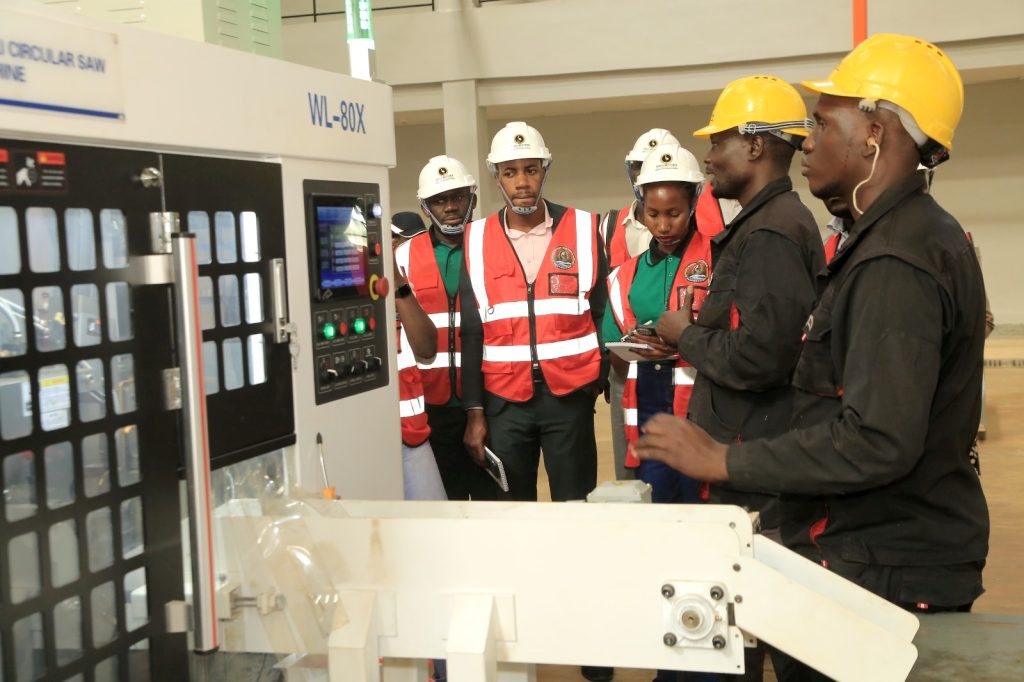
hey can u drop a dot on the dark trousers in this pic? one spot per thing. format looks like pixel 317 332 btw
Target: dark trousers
pixel 463 479
pixel 655 394
pixel 561 426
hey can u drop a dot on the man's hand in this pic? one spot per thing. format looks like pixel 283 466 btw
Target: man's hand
pixel 476 435
pixel 658 350
pixel 683 446
pixel 671 325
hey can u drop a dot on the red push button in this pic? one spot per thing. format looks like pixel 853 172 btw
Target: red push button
pixel 382 286
pixel 373 323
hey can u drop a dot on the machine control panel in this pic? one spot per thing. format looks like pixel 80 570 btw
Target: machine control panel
pixel 348 288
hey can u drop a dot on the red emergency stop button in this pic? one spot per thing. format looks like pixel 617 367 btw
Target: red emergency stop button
pixel 382 286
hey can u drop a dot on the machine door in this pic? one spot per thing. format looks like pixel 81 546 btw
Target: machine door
pixel 235 210
pixel 90 540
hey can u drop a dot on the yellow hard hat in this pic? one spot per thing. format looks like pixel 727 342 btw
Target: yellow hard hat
pixel 907 71
pixel 758 104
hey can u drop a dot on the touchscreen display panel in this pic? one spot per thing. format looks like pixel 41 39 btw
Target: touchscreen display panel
pixel 342 244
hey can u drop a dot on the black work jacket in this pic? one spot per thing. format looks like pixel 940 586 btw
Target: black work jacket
pixel 746 340
pixel 888 404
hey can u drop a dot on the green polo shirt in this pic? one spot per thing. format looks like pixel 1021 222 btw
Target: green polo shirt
pixel 649 291
pixel 449 264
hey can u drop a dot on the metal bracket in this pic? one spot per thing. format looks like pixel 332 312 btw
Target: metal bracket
pixel 163 224
pixel 279 301
pixel 156 269
pixel 172 388
pixel 176 615
pixel 695 614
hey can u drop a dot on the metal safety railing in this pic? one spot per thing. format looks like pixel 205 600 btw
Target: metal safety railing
pixel 325 8
pixel 314 9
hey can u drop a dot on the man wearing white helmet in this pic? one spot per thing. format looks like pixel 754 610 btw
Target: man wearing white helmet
pixel 432 263
pixel 533 299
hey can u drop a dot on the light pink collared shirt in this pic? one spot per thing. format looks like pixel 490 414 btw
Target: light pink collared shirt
pixel 531 246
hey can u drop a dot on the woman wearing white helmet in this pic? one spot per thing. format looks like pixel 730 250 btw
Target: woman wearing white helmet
pixel 645 286
pixel 677 264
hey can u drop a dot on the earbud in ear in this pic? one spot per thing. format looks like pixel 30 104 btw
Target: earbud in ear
pixel 872 142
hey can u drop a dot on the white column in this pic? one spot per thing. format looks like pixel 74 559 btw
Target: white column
pixel 466 138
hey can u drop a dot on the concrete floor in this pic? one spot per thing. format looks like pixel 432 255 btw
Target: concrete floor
pixel 1002 466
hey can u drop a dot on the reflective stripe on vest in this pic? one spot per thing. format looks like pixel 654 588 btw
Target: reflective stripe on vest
pixel 683 376
pixel 545 351
pixel 411 403
pixel 411 407
pixel 615 296
pixel 441 319
pixel 440 361
pixel 561 315
pixel 547 306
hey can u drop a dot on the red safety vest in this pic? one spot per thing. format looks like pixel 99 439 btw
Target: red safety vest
pixel 694 270
pixel 565 346
pixel 411 407
pixel 417 262
pixel 831 246
pixel 616 248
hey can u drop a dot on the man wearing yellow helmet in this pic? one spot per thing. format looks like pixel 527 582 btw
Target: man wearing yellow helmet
pixel 876 477
pixel 746 340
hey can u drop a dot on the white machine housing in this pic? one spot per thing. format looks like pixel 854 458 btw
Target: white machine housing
pixel 190 97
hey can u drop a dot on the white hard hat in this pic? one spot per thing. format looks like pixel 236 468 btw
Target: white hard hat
pixel 648 141
pixel 669 163
pixel 441 174
pixel 517 141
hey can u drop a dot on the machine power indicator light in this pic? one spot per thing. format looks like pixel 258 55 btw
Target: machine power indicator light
pixel 359 325
pixel 329 331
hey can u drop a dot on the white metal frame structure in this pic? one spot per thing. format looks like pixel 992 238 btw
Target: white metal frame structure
pixel 677 587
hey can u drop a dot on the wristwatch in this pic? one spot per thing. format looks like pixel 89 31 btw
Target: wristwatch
pixel 403 291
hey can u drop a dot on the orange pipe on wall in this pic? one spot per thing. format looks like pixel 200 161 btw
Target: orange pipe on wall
pixel 860 21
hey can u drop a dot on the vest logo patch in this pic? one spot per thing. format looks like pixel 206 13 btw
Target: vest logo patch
pixel 696 272
pixel 563 258
pixel 563 284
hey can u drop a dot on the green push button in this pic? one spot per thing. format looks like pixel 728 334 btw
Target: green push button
pixel 359 325
pixel 329 331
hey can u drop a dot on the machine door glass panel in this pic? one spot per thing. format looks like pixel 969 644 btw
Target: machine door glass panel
pixel 235 210
pixel 90 543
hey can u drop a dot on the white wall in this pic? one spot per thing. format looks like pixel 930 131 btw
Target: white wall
pixel 982 184
pixel 594 74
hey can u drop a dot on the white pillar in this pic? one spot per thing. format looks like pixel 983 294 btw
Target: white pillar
pixel 466 138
